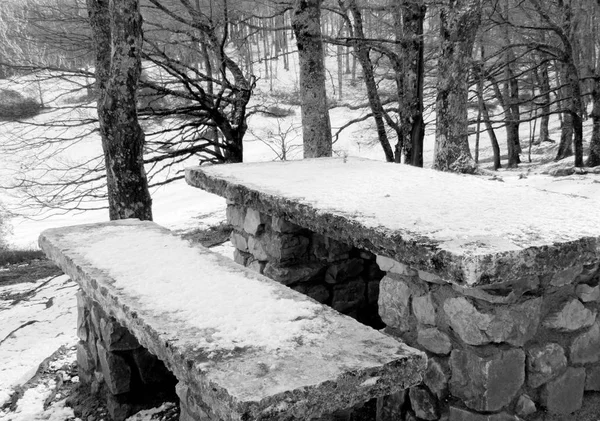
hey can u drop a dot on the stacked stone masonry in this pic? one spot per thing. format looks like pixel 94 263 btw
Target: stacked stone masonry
pixel 331 272
pixel 499 352
pixel 114 365
pixel 503 352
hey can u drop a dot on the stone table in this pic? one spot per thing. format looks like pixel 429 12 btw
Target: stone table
pixel 498 284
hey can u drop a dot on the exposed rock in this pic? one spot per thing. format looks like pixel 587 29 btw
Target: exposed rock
pixel 586 346
pixel 573 316
pixel 118 409
pixel 240 257
pixel 389 408
pixel 394 297
pixel 545 362
pixel 430 277
pixel 236 216
pixel 257 248
pixel 434 340
pixel 388 264
pixel 458 414
pixel 342 271
pixel 280 224
pixel 589 272
pixel 116 371
pixel 254 222
pixel 487 383
pixel 285 247
pixel 467 321
pixel 435 378
pixel 288 275
pixel 325 248
pixel 239 241
pixel 587 293
pixel 82 316
pixel 424 310
pixel 423 403
pixel 525 406
pixel 257 266
pixel 566 276
pixel 515 324
pixel 116 337
pixel 592 378
pixel 85 362
pixel 564 394
pixel 348 295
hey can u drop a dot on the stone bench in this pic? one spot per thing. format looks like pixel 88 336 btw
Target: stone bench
pixel 240 346
pixel 498 284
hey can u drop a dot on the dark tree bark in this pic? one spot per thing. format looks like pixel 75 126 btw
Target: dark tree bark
pixel 409 17
pixel 544 83
pixel 316 126
pixel 594 155
pixel 118 70
pixel 459 20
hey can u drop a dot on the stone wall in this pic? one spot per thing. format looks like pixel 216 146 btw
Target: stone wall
pixel 331 272
pixel 507 351
pixel 113 365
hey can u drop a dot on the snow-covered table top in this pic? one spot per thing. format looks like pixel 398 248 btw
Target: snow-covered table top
pixel 251 345
pixel 464 228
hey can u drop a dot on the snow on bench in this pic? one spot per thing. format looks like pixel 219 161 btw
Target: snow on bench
pixel 240 345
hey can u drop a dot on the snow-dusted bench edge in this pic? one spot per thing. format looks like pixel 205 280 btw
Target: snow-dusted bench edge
pixel 272 354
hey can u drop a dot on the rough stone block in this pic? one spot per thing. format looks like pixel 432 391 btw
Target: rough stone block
pixel 566 276
pixel 83 315
pixel 254 222
pixel 589 272
pixel 525 406
pixel 592 378
pixel 236 216
pixel 487 383
pixel 116 337
pixel 515 324
pixel 423 403
pixel 86 364
pixel 116 371
pixel 432 278
pixel 544 362
pixel 469 323
pixel 349 295
pixel 564 394
pixel 342 271
pixel 459 414
pixel 389 408
pixel 394 298
pixel 257 247
pixel 325 248
pixel 239 241
pixel 586 347
pixel 257 266
pixel 118 408
pixel 435 378
pixel 288 275
pixel 571 317
pixel 192 408
pixel 434 340
pixel 280 224
pixel 424 310
pixel 282 248
pixel 388 264
pixel 241 258
pixel 587 293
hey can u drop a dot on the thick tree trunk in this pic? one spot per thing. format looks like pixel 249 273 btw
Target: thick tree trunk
pixel 544 82
pixel 118 77
pixel 316 126
pixel 409 16
pixel 594 156
pixel 459 20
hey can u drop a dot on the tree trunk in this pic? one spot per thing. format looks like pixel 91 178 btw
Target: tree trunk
pixel 409 16
pixel 594 156
pixel 316 126
pixel 544 82
pixel 459 20
pixel 118 77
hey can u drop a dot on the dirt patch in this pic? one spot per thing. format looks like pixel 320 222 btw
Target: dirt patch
pixel 31 271
pixel 209 237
